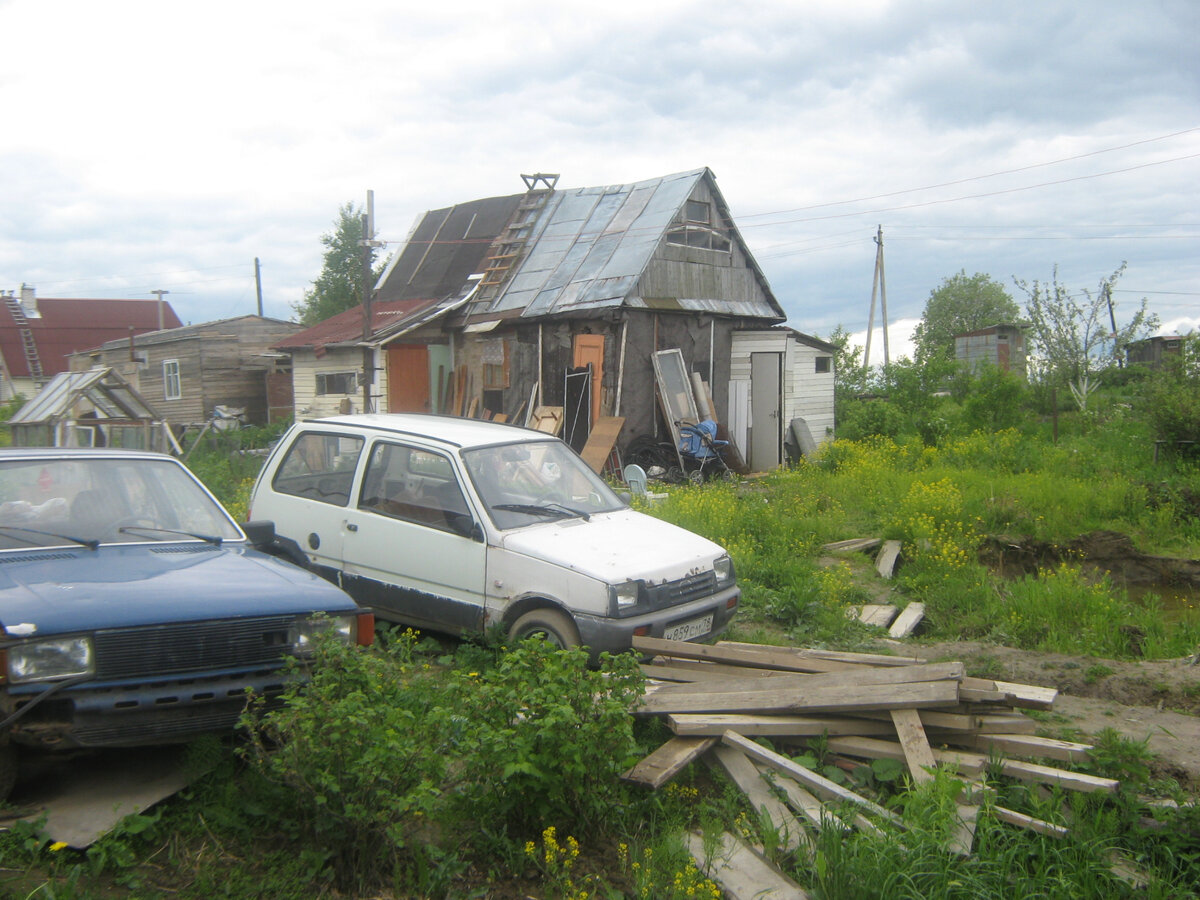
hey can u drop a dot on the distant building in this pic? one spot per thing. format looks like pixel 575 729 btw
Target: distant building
pixel 1002 346
pixel 1154 350
pixel 39 334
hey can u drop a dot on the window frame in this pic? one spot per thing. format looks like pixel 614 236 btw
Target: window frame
pixel 172 378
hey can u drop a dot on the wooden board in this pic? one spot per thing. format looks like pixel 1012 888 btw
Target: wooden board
pixel 601 441
pixel 548 419
pixel 887 559
pixel 878 614
pixel 742 873
pixel 852 545
pixel 697 725
pixel 908 620
pixel 818 784
pixel 829 698
pixel 763 658
pixel 917 752
pixel 864 675
pixel 668 760
pixel 743 773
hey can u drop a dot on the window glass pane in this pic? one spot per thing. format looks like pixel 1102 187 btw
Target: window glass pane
pixel 320 467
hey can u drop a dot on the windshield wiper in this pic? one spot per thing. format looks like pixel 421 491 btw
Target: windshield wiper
pixel 207 538
pixel 553 510
pixel 90 543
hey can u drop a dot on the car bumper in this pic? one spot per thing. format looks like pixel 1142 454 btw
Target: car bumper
pixel 125 716
pixel 602 633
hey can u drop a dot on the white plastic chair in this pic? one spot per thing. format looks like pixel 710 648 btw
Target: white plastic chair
pixel 635 477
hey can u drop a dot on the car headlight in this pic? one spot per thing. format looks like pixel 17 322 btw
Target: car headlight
pixel 625 595
pixel 306 633
pixel 723 567
pixel 50 660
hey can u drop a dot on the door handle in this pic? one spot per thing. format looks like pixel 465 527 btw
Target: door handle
pixel 350 526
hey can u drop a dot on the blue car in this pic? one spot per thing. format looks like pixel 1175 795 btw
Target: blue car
pixel 133 609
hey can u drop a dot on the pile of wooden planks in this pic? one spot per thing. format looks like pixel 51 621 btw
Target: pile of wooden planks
pixel 718 698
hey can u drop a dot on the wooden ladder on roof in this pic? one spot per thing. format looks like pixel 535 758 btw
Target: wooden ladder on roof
pixel 509 245
pixel 28 344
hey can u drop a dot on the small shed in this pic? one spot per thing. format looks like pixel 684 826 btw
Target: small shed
pixel 1002 346
pixel 97 408
pixel 780 394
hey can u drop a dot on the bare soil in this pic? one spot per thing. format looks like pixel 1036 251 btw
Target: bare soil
pixel 1157 701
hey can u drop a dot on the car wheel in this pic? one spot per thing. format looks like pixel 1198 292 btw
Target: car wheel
pixel 552 626
pixel 8 768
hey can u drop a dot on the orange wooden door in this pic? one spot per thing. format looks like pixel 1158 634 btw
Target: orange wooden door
pixel 408 378
pixel 589 348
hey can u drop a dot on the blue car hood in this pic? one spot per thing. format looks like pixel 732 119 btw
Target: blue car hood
pixel 120 586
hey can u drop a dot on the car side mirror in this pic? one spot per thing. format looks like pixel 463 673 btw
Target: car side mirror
pixel 260 533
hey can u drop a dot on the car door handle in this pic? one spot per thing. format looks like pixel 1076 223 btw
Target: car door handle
pixel 350 526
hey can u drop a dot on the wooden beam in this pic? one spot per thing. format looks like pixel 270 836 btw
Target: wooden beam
pixel 908 620
pixel 1041 826
pixel 833 698
pixel 741 873
pixel 1028 745
pixel 917 752
pixel 763 657
pixel 818 784
pixel 864 675
pixel 668 761
pixel 877 614
pixel 743 773
pixel 700 725
pixel 852 545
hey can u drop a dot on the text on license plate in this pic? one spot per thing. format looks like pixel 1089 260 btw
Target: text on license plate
pixel 685 631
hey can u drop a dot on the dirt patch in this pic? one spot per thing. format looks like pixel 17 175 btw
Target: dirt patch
pixel 1108 552
pixel 1157 701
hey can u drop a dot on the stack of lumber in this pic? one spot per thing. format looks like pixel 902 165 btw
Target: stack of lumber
pixel 717 699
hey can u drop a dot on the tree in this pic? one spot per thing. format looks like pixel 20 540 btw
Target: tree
pixel 1072 335
pixel 961 303
pixel 339 287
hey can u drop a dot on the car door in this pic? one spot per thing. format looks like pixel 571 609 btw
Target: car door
pixel 310 493
pixel 413 549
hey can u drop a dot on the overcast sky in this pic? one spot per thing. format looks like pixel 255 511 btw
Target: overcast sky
pixel 159 145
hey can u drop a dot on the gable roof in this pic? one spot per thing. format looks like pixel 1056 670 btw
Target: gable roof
pixel 582 249
pixel 346 328
pixel 191 332
pixel 64 326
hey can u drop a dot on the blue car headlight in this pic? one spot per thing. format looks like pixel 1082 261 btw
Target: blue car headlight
pixel 304 634
pixel 50 660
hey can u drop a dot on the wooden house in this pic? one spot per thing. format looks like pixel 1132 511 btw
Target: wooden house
pixel 38 335
pixel 550 297
pixel 189 371
pixel 1002 346
pixel 1152 352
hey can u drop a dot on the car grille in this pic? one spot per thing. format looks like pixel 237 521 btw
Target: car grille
pixel 191 646
pixel 682 590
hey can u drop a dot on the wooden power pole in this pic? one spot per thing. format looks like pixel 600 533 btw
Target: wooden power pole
pixel 878 284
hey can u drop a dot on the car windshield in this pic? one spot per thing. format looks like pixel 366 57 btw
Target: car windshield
pixel 92 501
pixel 536 481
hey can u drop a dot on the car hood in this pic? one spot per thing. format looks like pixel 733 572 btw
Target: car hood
pixel 59 591
pixel 617 546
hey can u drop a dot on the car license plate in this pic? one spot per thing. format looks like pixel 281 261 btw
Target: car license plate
pixel 685 631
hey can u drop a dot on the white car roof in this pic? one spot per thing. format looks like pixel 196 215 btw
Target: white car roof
pixel 444 429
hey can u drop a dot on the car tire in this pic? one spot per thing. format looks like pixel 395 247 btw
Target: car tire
pixel 554 627
pixel 8 768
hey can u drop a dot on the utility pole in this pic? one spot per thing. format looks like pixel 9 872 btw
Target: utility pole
pixel 368 244
pixel 161 317
pixel 878 284
pixel 1112 319
pixel 258 284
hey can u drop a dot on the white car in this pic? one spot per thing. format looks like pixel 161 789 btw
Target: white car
pixel 460 525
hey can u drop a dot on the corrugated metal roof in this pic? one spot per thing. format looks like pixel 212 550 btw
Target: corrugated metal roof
pixel 586 249
pixel 347 327
pixel 67 326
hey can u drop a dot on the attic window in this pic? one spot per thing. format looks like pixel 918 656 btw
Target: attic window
pixel 694 226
